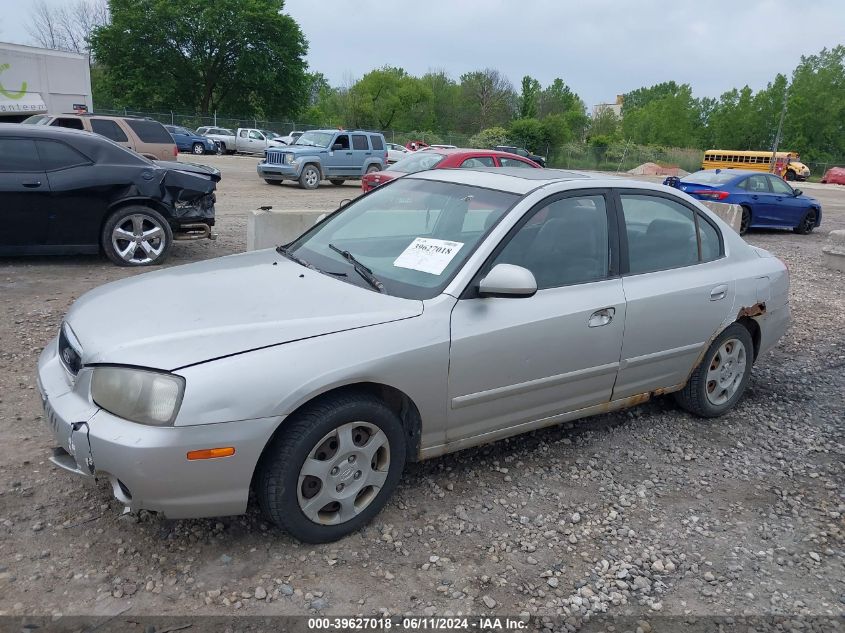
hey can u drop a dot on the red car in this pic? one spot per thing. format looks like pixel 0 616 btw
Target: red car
pixel 444 159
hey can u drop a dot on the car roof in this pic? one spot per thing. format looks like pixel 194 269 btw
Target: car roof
pixel 731 172
pixel 452 151
pixel 512 179
pixel 96 147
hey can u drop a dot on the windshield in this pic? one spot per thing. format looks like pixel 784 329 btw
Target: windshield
pixel 315 139
pixel 418 162
pixel 37 119
pixel 413 235
pixel 710 177
pixel 270 134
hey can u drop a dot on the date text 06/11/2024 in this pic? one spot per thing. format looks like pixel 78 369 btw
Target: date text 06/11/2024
pixel 427 623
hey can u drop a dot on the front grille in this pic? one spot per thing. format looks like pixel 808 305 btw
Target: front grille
pixel 275 158
pixel 68 354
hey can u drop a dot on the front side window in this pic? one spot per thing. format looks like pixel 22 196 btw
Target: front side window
pixel 109 129
pixel 512 162
pixel 359 141
pixel 413 234
pixel 342 140
pixel 780 187
pixel 562 243
pixel 18 155
pixel 256 135
pixel 661 233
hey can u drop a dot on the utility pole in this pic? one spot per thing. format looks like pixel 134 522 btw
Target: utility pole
pixel 773 162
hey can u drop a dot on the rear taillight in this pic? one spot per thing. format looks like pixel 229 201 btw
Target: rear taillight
pixel 175 151
pixel 710 194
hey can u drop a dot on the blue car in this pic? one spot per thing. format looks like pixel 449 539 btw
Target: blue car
pixel 767 201
pixel 188 141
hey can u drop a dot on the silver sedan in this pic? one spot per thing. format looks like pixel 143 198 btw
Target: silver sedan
pixel 444 310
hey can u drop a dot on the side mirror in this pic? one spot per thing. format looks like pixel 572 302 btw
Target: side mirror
pixel 507 280
pixel 336 147
pixel 796 192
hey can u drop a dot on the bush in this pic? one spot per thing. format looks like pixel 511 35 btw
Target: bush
pixel 490 137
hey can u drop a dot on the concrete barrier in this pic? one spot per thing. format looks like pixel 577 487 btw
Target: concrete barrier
pixel 730 213
pixel 266 229
pixel 833 253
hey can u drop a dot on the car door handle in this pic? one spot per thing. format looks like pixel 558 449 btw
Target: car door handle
pixel 719 292
pixel 755 197
pixel 349 153
pixel 601 317
pixel 31 184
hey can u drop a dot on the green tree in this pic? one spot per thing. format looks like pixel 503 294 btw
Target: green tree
pixel 641 97
pixel 488 99
pixel 390 98
pixel 529 133
pixel 529 98
pixel 673 119
pixel 445 105
pixel 605 123
pixel 558 98
pixel 231 55
pixel 491 137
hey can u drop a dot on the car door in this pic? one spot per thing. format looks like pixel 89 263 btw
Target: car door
pixel 518 360
pixel 786 208
pixel 80 194
pixel 24 193
pixel 758 198
pixel 257 142
pixel 361 152
pixel 678 289
pixel 339 160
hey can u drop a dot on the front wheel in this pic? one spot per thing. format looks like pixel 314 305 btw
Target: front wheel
pixel 790 175
pixel 332 467
pixel 721 378
pixel 136 236
pixel 310 177
pixel 807 224
pixel 198 149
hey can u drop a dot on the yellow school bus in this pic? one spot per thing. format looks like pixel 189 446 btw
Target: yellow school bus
pixel 787 165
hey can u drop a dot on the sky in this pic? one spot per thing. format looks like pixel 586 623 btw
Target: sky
pixel 600 48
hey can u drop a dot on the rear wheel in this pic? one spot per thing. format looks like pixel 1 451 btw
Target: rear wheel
pixel 807 224
pixel 136 236
pixel 332 467
pixel 721 378
pixel 310 177
pixel 197 148
pixel 373 168
pixel 337 182
pixel 745 222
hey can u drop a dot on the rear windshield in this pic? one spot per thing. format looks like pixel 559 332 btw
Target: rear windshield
pixel 418 162
pixel 150 131
pixel 708 177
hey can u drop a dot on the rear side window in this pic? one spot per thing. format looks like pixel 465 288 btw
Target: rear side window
pixel 109 129
pixel 73 123
pixel 664 234
pixel 55 155
pixel 377 143
pixel 18 155
pixel 513 162
pixel 150 131
pixel 359 141
pixel 478 161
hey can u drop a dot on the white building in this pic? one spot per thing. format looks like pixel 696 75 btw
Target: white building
pixel 616 107
pixel 38 80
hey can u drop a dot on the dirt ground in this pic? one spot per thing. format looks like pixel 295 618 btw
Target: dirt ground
pixel 648 512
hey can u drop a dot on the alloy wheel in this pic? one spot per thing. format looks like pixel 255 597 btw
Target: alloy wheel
pixel 343 473
pixel 727 368
pixel 138 239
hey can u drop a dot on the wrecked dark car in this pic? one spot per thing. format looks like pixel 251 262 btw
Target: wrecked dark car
pixel 69 192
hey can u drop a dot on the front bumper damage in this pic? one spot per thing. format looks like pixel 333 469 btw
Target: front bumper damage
pixel 147 466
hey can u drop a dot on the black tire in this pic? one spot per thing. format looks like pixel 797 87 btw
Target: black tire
pixel 807 223
pixel 277 476
pixel 150 218
pixel 745 222
pixel 790 175
pixel 198 149
pixel 222 148
pixel 310 177
pixel 273 182
pixel 373 168
pixel 693 397
pixel 337 182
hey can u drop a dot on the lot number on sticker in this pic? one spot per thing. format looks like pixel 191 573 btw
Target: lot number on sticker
pixel 428 255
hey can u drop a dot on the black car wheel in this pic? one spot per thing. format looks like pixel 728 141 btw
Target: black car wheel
pixel 136 236
pixel 198 149
pixel 807 224
pixel 790 175
pixel 745 222
pixel 331 467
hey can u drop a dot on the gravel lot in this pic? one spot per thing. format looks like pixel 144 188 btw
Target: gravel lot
pixel 647 512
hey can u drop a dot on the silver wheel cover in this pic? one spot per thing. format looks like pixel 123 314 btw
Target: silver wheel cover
pixel 343 473
pixel 726 371
pixel 311 177
pixel 138 239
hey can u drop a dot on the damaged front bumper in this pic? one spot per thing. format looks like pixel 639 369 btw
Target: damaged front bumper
pixel 147 466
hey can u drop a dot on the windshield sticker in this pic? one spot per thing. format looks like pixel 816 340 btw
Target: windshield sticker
pixel 428 255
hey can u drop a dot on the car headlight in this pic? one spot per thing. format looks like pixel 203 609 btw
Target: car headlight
pixel 142 396
pixel 289 159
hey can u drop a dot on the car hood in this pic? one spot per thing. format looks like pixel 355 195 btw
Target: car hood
pixel 304 149
pixel 190 168
pixel 189 314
